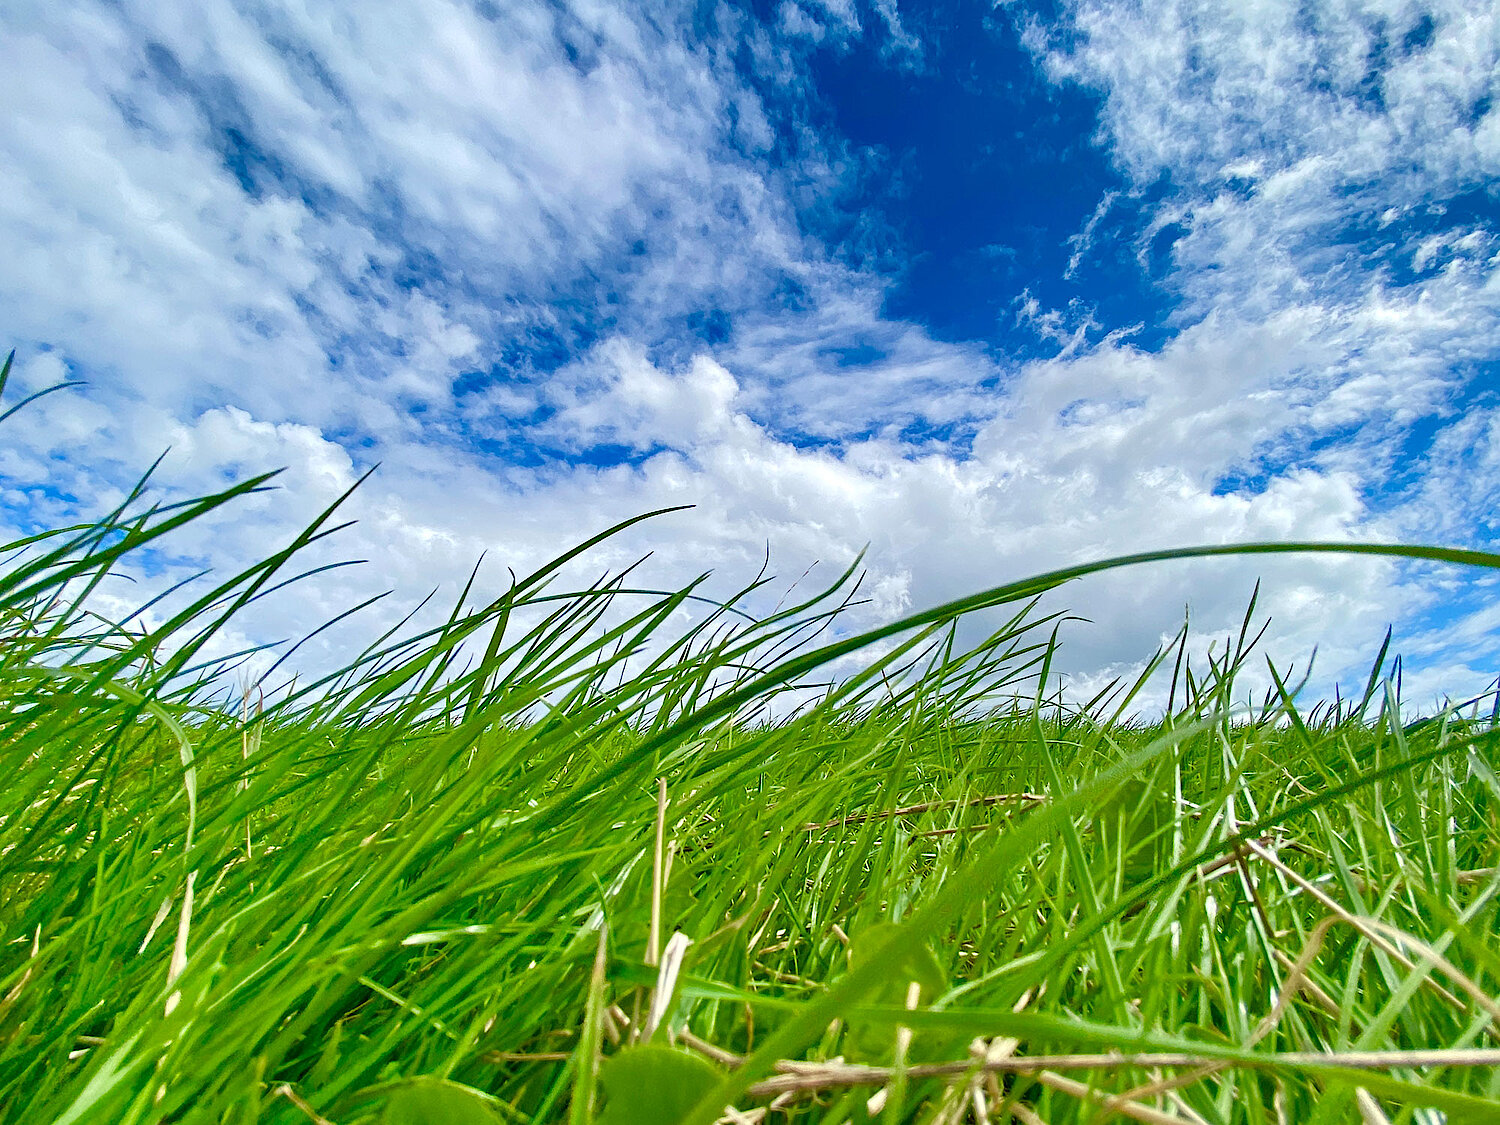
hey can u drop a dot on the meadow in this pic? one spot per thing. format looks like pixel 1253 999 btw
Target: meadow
pixel 556 859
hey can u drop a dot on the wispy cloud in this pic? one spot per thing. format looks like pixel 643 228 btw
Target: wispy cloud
pixel 1081 242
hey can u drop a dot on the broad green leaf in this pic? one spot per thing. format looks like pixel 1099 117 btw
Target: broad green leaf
pixel 875 1042
pixel 433 1101
pixel 653 1085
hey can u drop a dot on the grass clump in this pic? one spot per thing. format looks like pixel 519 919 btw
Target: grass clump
pixel 548 861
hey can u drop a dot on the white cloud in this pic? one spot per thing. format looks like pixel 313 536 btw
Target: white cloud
pixel 1081 242
pixel 642 406
pixel 795 20
pixel 842 368
pixel 400 144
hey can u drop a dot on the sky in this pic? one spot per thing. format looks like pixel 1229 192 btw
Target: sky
pixel 982 289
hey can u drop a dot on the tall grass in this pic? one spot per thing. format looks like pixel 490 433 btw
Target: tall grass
pixel 456 880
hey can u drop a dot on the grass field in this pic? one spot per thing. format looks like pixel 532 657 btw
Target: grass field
pixel 551 862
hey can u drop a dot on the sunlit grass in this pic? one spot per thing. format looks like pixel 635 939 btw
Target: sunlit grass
pixel 443 883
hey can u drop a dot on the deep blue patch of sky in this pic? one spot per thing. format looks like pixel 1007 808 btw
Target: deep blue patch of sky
pixel 1368 239
pixel 980 176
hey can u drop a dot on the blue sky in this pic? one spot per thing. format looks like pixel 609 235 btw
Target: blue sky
pixel 989 288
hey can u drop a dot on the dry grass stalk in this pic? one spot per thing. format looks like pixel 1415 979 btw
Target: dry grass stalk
pixel 285 1091
pixel 1376 932
pixel 829 1076
pixel 1126 1107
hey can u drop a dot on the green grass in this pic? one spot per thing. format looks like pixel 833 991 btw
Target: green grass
pixel 436 885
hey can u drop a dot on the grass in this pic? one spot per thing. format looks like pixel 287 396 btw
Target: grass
pixel 460 878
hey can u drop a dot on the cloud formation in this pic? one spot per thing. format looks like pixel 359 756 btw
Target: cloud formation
pixel 555 265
